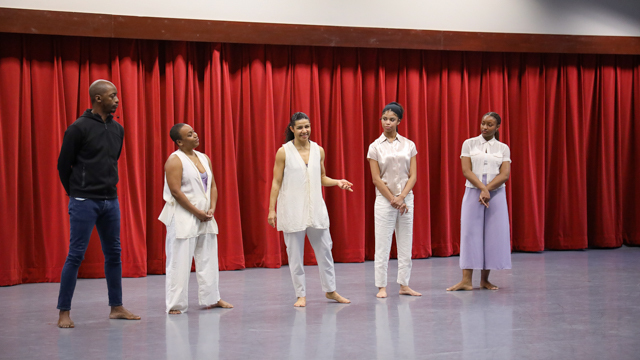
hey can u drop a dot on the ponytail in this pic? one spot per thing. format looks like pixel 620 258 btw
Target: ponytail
pixel 288 134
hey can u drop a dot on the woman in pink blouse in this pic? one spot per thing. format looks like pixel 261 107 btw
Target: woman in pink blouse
pixel 392 158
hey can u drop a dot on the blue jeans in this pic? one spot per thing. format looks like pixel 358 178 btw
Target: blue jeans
pixel 83 216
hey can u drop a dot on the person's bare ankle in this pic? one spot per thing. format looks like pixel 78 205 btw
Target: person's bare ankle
pixel 382 293
pixel 120 313
pixel 64 320
pixel 406 290
pixel 301 302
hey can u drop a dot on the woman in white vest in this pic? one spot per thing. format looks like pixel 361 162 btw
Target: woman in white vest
pixel 392 158
pixel 191 195
pixel 298 177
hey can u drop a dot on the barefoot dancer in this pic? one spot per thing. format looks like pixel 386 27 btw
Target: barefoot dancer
pixel 484 223
pixel 191 194
pixel 393 168
pixel 88 168
pixel 298 175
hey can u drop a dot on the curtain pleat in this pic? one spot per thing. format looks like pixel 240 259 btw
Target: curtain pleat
pixel 570 120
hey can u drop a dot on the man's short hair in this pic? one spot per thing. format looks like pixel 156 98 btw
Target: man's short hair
pixel 99 87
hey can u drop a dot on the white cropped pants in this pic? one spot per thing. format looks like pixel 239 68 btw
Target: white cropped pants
pixel 388 220
pixel 321 243
pixel 204 249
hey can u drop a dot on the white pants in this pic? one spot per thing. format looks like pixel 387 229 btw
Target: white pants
pixel 321 243
pixel 388 220
pixel 204 248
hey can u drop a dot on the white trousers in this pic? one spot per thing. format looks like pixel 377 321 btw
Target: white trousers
pixel 204 248
pixel 321 243
pixel 388 220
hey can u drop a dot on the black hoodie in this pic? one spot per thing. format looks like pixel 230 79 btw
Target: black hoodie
pixel 88 161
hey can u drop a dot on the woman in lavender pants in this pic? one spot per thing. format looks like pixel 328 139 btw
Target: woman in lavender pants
pixel 484 221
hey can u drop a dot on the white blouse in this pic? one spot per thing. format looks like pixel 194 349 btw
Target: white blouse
pixel 394 160
pixel 486 157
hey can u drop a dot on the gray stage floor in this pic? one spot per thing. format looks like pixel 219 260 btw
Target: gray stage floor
pixel 552 305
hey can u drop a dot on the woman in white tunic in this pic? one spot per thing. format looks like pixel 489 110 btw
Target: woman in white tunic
pixel 191 194
pixel 298 177
pixel 392 158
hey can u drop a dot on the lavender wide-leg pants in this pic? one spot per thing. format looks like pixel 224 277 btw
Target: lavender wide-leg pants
pixel 485 242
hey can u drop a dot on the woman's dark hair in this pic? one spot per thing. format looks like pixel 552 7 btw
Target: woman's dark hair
pixel 395 107
pixel 498 121
pixel 288 134
pixel 174 133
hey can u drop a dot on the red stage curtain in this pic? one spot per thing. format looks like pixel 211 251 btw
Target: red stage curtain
pixel 570 121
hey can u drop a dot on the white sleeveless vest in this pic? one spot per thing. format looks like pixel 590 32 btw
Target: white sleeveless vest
pixel 187 224
pixel 300 203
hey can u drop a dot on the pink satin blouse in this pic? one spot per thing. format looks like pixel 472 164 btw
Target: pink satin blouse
pixel 394 160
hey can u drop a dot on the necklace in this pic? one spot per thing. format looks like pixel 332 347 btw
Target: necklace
pixel 196 161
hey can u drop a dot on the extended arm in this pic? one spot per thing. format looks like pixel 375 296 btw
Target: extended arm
pixel 327 181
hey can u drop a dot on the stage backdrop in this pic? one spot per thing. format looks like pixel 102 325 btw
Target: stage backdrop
pixel 570 121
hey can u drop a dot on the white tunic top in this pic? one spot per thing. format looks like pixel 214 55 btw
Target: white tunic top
pixel 300 203
pixel 187 224
pixel 394 161
pixel 486 157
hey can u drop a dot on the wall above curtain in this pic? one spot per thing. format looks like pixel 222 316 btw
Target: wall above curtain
pixel 16 20
pixel 565 17
pixel 570 121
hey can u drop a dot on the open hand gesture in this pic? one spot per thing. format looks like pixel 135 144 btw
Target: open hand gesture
pixel 345 185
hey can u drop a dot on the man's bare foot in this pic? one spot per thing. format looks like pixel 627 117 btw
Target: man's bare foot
pixel 335 296
pixel 221 304
pixel 119 312
pixel 301 302
pixel 487 285
pixel 462 285
pixel 175 312
pixel 64 320
pixel 405 290
pixel 382 293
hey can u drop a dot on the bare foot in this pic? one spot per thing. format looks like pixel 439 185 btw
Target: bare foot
pixel 221 304
pixel 382 293
pixel 405 290
pixel 119 312
pixel 64 320
pixel 301 302
pixel 487 285
pixel 175 312
pixel 335 296
pixel 462 285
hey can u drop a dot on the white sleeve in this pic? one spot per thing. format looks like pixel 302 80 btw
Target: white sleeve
pixel 373 152
pixel 506 154
pixel 466 149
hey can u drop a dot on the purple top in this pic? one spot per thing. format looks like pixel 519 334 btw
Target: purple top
pixel 204 178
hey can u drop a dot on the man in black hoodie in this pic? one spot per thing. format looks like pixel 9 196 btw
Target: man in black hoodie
pixel 88 168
